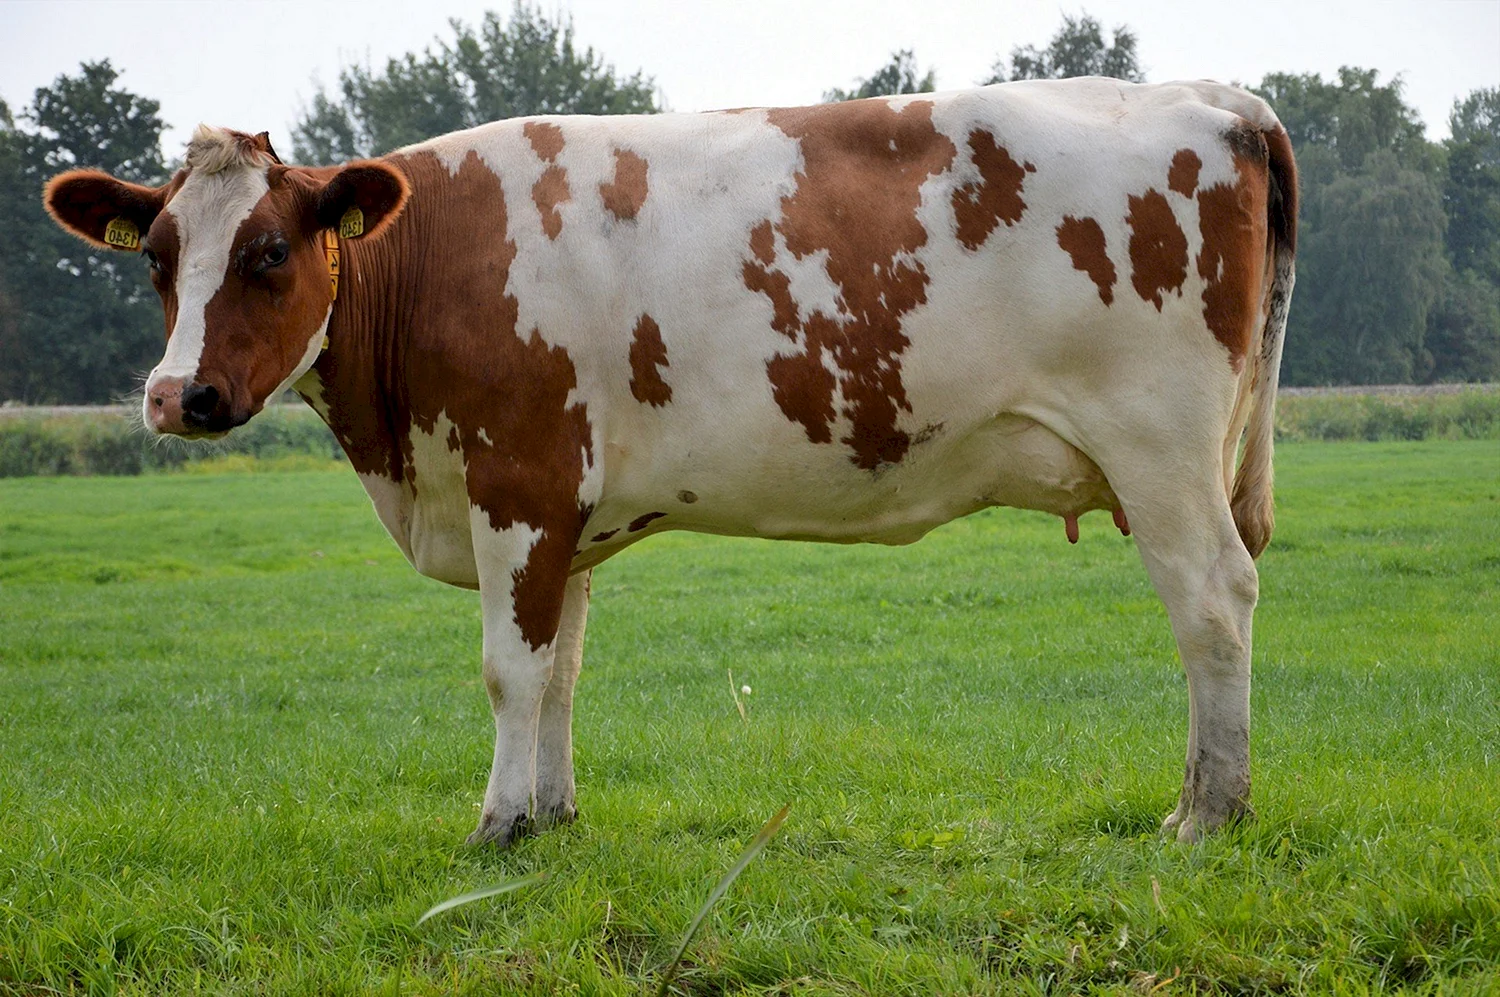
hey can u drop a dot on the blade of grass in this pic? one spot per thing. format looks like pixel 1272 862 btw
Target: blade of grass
pixel 762 838
pixel 488 891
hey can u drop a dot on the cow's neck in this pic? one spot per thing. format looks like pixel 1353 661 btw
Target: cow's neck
pixel 358 384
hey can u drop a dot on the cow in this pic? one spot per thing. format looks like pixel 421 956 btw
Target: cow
pixel 544 339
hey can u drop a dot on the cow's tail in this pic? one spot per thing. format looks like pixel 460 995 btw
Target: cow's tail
pixel 1250 501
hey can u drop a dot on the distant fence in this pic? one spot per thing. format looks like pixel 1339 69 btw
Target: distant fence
pixel 109 439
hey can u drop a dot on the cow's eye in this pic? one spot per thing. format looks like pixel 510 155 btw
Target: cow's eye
pixel 152 260
pixel 275 256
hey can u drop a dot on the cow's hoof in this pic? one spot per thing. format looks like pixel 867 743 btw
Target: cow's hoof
pixel 561 813
pixel 1196 825
pixel 498 833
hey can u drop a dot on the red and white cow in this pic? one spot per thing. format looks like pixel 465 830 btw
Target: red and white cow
pixel 545 339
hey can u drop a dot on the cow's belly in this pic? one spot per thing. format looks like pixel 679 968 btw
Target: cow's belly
pixel 1010 460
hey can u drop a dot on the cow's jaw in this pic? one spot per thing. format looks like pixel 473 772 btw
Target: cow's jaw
pixel 208 211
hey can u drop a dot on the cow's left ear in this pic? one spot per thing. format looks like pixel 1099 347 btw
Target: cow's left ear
pixel 361 199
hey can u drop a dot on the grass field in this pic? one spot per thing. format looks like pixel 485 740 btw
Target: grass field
pixel 241 743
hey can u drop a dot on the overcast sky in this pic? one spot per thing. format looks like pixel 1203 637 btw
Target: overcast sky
pixel 253 65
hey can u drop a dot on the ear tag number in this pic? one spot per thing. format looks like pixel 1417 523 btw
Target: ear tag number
pixel 122 234
pixel 352 225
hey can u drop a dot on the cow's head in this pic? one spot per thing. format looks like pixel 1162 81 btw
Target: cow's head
pixel 236 244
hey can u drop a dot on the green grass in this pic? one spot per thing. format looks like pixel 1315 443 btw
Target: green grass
pixel 241 743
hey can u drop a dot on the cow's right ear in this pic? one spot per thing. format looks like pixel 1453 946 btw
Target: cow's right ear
pixel 105 211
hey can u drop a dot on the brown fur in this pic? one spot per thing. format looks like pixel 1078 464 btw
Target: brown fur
pixel 1158 249
pixel 647 353
pixel 864 163
pixel 979 207
pixel 1083 240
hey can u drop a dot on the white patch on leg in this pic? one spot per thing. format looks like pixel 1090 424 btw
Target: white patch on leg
pixel 515 677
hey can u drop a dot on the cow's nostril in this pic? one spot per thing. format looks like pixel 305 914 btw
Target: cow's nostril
pixel 198 402
pixel 157 401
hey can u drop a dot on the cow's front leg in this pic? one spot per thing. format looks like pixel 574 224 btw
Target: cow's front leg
pixel 554 742
pixel 521 593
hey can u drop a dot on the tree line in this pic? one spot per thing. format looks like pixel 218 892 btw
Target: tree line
pixel 1398 262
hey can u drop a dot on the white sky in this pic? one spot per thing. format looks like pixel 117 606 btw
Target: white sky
pixel 251 65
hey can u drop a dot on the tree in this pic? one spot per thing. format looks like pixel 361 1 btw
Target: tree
pixel 1353 116
pixel 1078 49
pixel 1370 268
pixel 1382 289
pixel 896 77
pixel 528 65
pixel 77 324
pixel 1472 190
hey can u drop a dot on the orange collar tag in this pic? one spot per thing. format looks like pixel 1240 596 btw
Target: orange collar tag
pixel 331 257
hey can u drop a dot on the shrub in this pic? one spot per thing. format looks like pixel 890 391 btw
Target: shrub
pixel 1472 414
pixel 111 442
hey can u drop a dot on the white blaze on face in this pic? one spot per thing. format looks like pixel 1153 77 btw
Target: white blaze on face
pixel 208 211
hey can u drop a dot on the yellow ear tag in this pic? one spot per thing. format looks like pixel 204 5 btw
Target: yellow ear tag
pixel 352 225
pixel 122 234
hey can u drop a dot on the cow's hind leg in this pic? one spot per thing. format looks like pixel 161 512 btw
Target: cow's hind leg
pixel 520 626
pixel 1207 579
pixel 554 743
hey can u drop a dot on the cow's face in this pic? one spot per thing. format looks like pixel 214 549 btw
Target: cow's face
pixel 236 244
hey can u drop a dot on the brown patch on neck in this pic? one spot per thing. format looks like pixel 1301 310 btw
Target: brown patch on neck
pixel 647 353
pixel 1083 240
pixel 625 195
pixel 1233 218
pixel 546 139
pixel 864 164
pixel 1158 249
pixel 1183 176
pixel 980 207
pixel 438 335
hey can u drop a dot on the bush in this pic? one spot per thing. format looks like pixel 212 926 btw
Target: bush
pixel 112 442
pixel 1472 414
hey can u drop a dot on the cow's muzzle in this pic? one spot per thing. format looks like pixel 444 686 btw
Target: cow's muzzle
pixel 174 406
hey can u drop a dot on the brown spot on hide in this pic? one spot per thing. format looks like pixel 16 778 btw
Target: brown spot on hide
pixel 1083 240
pixel 1232 218
pixel 647 353
pixel 858 191
pixel 449 345
pixel 1183 176
pixel 1158 249
pixel 599 538
pixel 546 139
pixel 686 497
pixel 639 523
pixel 627 193
pixel 763 243
pixel 979 207
pixel 550 191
